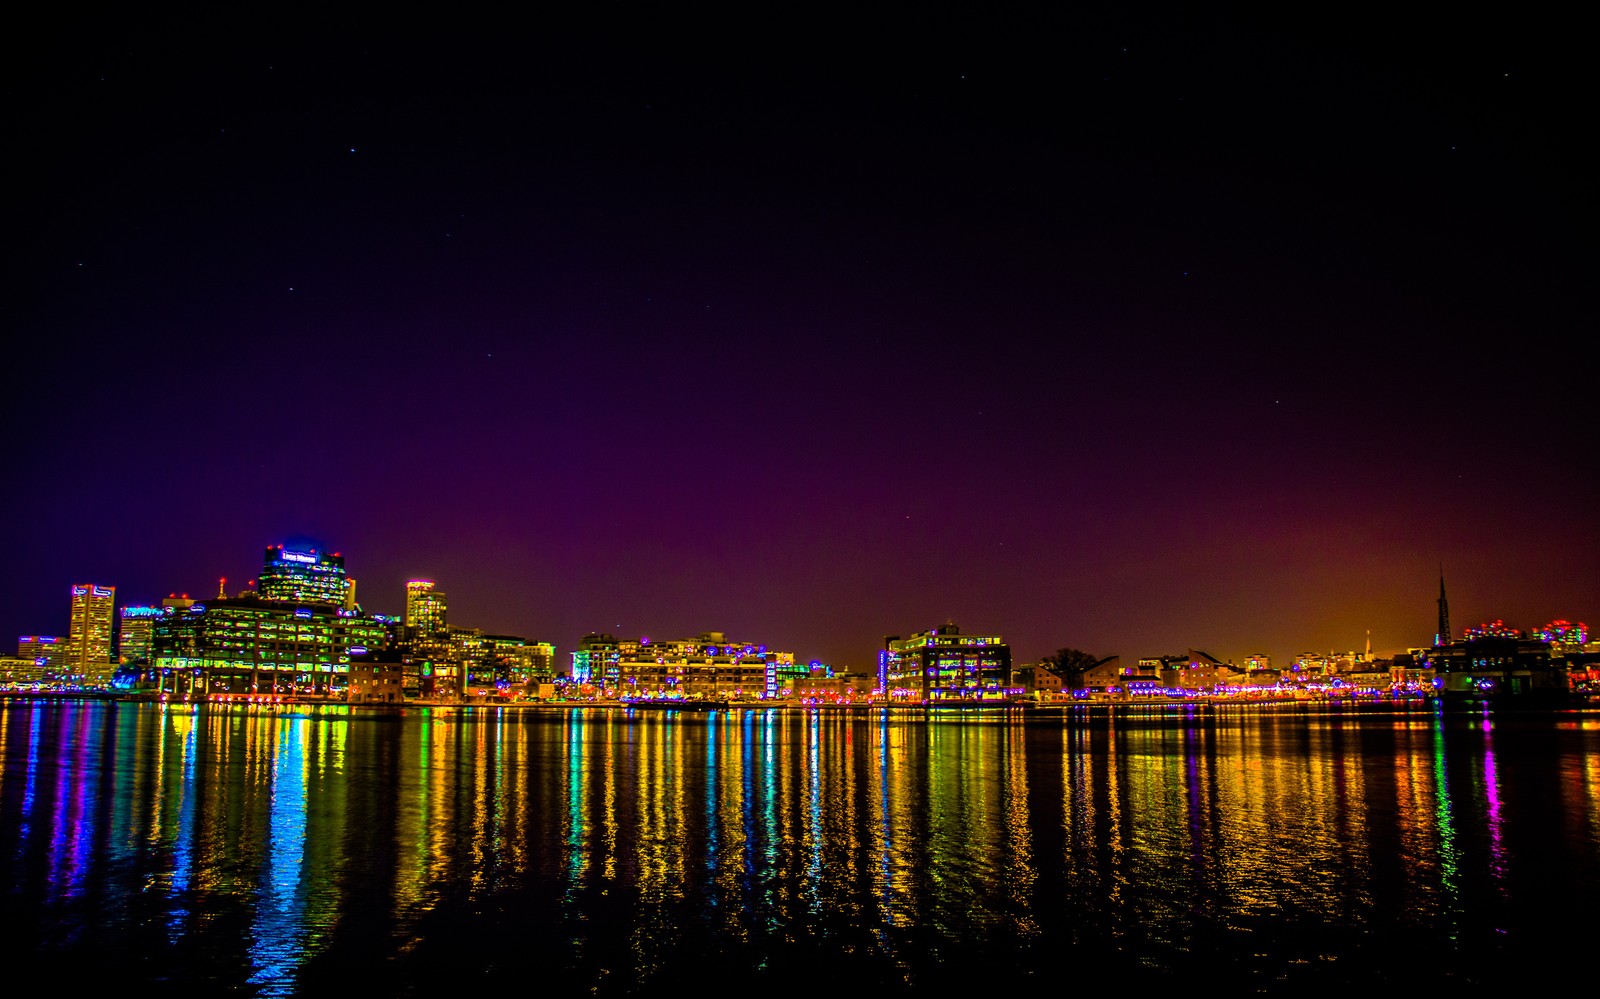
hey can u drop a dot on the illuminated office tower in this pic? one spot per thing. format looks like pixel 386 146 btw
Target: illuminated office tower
pixel 133 642
pixel 305 577
pixel 89 633
pixel 942 663
pixel 425 608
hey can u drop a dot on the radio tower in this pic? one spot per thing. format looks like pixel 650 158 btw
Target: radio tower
pixel 1443 637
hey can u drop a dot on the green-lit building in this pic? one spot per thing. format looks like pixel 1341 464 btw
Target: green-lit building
pixel 943 664
pixel 250 645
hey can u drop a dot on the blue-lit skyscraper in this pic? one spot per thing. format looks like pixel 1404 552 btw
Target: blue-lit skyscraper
pixel 133 640
pixel 307 576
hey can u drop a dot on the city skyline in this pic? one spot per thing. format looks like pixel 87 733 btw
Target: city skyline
pixel 421 593
pixel 1125 331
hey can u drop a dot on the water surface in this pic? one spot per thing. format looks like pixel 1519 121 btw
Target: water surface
pixel 1286 849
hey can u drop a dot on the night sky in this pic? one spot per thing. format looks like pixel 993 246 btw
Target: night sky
pixel 1132 333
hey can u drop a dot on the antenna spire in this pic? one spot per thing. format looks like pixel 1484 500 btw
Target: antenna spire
pixel 1443 637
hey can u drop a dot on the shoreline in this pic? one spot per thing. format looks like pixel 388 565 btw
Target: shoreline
pixel 1043 709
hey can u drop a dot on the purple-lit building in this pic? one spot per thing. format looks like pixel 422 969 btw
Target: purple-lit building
pixel 708 666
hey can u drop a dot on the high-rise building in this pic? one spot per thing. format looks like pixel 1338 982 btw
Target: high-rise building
pixel 306 576
pixel 425 607
pixel 89 633
pixel 942 664
pixel 133 641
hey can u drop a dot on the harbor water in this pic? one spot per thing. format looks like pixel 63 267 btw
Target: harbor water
pixel 1287 849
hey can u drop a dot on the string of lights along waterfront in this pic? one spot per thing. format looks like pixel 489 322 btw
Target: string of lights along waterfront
pixel 298 633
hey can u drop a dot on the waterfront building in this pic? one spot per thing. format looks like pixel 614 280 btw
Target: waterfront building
pixel 1197 672
pixel 308 576
pixel 1316 666
pixel 829 687
pixel 1376 676
pixel 89 634
pixel 520 664
pixel 706 667
pixel 594 661
pixel 49 651
pixel 377 676
pixel 458 663
pixel 788 676
pixel 24 673
pixel 1042 681
pixel 1493 661
pixel 1408 671
pixel 254 645
pixel 943 664
pixel 133 637
pixel 1108 679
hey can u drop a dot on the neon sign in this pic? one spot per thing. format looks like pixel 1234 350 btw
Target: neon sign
pixel 289 556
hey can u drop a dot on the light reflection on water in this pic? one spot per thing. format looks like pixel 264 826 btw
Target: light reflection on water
pixel 275 851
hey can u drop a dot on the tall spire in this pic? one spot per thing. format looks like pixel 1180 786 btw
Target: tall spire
pixel 1443 637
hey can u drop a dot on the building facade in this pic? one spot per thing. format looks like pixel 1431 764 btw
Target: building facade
pixel 1493 665
pixel 48 651
pixel 706 667
pixel 377 676
pixel 133 635
pixel 943 664
pixel 425 607
pixel 1196 673
pixel 822 686
pixel 307 576
pixel 89 634
pixel 255 646
pixel 594 662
